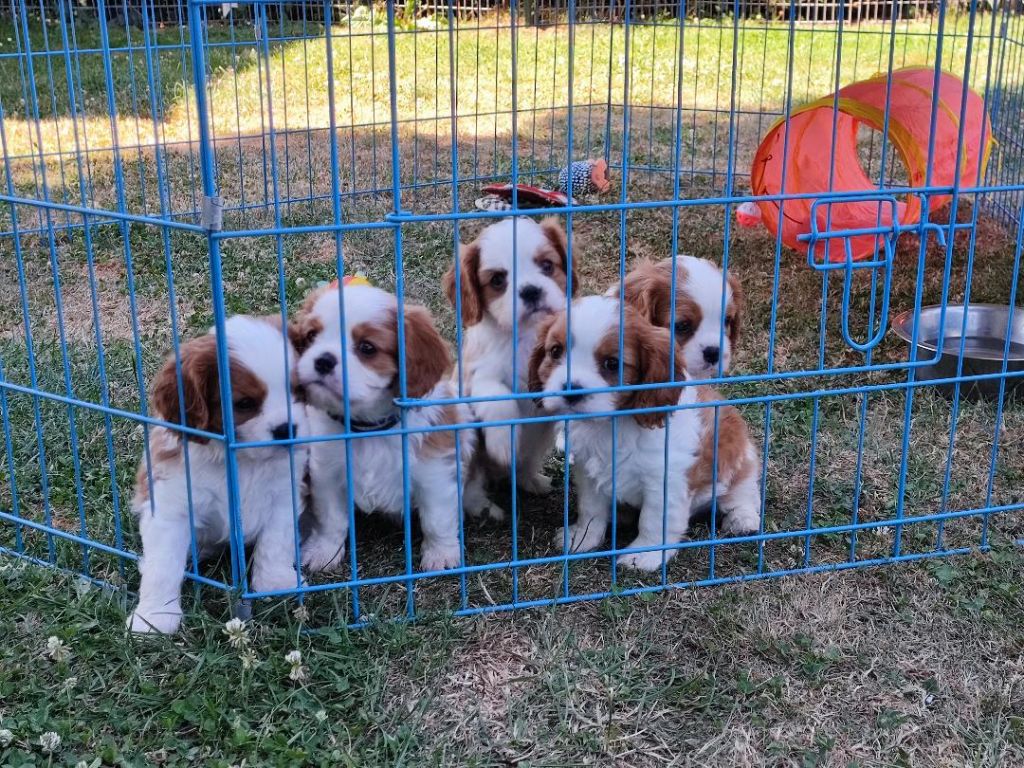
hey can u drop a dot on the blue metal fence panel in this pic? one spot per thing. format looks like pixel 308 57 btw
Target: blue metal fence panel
pixel 167 166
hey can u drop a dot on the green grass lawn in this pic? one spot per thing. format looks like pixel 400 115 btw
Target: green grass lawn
pixel 911 666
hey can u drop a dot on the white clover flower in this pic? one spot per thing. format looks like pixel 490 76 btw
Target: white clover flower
pixel 49 742
pixel 320 715
pixel 300 282
pixel 238 635
pixel 298 672
pixel 56 649
pixel 6 737
pixel 301 613
pixel 249 659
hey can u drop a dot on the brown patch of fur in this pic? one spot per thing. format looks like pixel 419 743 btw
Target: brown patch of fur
pixel 304 329
pixel 733 442
pixel 441 443
pixel 647 353
pixel 559 252
pixel 200 381
pixel 551 330
pixel 469 284
pixel 164 447
pixel 427 357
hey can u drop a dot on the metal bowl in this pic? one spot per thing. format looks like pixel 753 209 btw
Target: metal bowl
pixel 984 346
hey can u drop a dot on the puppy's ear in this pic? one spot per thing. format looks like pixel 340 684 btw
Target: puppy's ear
pixel 648 289
pixel 469 285
pixel 559 241
pixel 199 382
pixel 534 383
pixel 304 327
pixel 654 357
pixel 426 355
pixel 738 306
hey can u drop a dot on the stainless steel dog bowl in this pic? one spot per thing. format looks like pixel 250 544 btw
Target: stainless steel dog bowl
pixel 984 346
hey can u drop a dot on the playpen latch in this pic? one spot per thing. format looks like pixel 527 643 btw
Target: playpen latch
pixel 884 235
pixel 211 217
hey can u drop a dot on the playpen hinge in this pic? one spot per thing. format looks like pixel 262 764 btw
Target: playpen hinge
pixel 211 218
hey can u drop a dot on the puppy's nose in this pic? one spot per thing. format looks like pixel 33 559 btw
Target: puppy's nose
pixel 569 395
pixel 282 431
pixel 530 294
pixel 710 355
pixel 325 363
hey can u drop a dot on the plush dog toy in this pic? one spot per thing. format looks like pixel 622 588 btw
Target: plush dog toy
pixel 584 177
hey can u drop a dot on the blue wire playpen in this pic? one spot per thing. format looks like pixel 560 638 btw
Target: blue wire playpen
pixel 167 164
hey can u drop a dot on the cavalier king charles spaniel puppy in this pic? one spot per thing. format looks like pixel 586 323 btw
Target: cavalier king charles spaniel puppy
pixel 700 315
pixel 699 323
pixel 356 365
pixel 183 470
pixel 650 478
pixel 513 276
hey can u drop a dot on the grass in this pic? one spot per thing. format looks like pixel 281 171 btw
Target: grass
pixel 908 666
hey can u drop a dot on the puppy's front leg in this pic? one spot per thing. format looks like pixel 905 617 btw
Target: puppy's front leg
pixel 663 520
pixel 497 440
pixel 165 545
pixel 437 496
pixel 273 557
pixel 324 549
pixel 592 512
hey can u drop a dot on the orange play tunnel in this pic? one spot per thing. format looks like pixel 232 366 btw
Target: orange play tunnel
pixel 808 169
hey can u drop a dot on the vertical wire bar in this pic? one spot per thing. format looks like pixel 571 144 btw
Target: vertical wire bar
pixel 33 376
pixel 513 480
pixel 776 272
pixel 58 299
pixel 453 107
pixel 5 419
pixel 897 546
pixel 339 255
pixel 209 177
pixel 396 192
pixel 101 362
pixel 953 210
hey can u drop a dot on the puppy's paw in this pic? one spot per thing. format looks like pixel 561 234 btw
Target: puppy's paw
pixel 645 561
pixel 488 509
pixel 498 442
pixel 155 620
pixel 321 554
pixel 741 522
pixel 538 484
pixel 440 556
pixel 275 580
pixel 581 538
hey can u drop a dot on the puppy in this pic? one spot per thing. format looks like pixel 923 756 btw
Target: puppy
pixel 537 254
pixel 648 477
pixel 700 316
pixel 699 322
pixel 369 342
pixel 180 471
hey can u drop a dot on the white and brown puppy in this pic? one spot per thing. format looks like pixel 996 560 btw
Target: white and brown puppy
pixel 369 343
pixel 177 472
pixel 648 477
pixel 706 328
pixel 513 276
pixel 700 324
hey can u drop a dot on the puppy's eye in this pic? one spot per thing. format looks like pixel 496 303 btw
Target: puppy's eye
pixel 366 349
pixel 684 327
pixel 310 336
pixel 547 267
pixel 497 280
pixel 555 351
pixel 729 322
pixel 610 364
pixel 245 404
